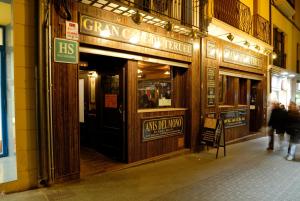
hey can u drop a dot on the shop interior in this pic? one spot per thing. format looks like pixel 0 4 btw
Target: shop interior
pixel 101 107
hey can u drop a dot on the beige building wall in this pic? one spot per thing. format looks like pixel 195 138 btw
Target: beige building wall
pixel 291 37
pixel 24 33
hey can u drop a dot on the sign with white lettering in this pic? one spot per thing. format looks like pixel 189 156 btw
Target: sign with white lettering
pixel 237 57
pixel 162 127
pixel 211 86
pixel 234 118
pixel 65 51
pixel 100 28
pixel 72 30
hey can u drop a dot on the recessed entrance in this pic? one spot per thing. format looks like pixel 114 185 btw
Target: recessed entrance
pixel 102 113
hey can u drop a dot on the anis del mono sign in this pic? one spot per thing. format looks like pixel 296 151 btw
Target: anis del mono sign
pixel 162 127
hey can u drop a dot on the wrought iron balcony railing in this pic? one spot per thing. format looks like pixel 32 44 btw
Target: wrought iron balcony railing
pixel 261 28
pixel 235 13
pixel 185 12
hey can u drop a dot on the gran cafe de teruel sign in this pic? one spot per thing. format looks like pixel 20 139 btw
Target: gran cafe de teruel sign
pixel 108 30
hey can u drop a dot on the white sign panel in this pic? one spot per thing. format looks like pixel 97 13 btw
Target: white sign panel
pixel 72 30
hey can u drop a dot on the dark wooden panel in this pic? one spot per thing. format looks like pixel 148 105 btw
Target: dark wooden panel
pixel 65 109
pixel 240 132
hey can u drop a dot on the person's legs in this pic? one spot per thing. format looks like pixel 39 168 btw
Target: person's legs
pixel 292 151
pixel 271 139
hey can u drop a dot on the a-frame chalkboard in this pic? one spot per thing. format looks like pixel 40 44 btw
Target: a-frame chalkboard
pixel 213 134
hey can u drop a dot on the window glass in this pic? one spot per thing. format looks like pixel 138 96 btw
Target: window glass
pixel 154 85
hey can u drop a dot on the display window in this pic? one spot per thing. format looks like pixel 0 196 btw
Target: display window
pixel 154 85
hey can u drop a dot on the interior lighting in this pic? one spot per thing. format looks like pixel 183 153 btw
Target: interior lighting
pixel 139 71
pixel 167 73
pixel 230 37
pixel 274 55
pixel 93 74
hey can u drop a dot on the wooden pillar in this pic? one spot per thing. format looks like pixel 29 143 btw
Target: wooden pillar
pixel 195 97
pixel 66 143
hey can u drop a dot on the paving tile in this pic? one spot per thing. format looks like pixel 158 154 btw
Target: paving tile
pixel 248 172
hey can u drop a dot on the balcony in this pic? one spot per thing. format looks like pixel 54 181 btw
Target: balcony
pixel 286 6
pixel 184 15
pixel 235 13
pixel 238 15
pixel 261 28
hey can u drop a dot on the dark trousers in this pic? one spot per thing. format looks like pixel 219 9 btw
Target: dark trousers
pixel 271 138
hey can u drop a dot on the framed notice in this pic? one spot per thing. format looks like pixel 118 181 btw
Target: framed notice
pixel 211 86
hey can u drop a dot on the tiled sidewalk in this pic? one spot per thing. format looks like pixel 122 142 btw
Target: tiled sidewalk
pixel 248 172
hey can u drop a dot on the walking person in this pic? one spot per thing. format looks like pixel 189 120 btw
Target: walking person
pixel 276 123
pixel 293 129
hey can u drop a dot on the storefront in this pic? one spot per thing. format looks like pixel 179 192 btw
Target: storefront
pixel 235 87
pixel 131 91
pixel 283 86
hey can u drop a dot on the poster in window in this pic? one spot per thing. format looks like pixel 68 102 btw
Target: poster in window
pixel 111 100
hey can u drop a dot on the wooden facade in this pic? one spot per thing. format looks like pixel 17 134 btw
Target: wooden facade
pixel 185 101
pixel 243 80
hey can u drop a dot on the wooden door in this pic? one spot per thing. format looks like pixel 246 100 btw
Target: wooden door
pixel 112 113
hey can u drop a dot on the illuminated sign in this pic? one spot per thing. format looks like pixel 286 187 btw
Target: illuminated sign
pixel 236 57
pixel 108 30
pixel 162 127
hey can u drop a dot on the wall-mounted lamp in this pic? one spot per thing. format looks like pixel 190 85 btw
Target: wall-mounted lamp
pixel 137 17
pixel 274 55
pixel 246 44
pixel 194 34
pixel 169 26
pixel 230 37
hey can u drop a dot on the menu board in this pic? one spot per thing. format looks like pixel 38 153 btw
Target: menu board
pixel 211 86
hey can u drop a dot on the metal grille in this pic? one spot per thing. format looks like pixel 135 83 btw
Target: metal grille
pixel 235 13
pixel 183 14
pixel 261 28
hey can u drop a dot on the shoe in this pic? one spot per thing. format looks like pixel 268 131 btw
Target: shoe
pixel 289 158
